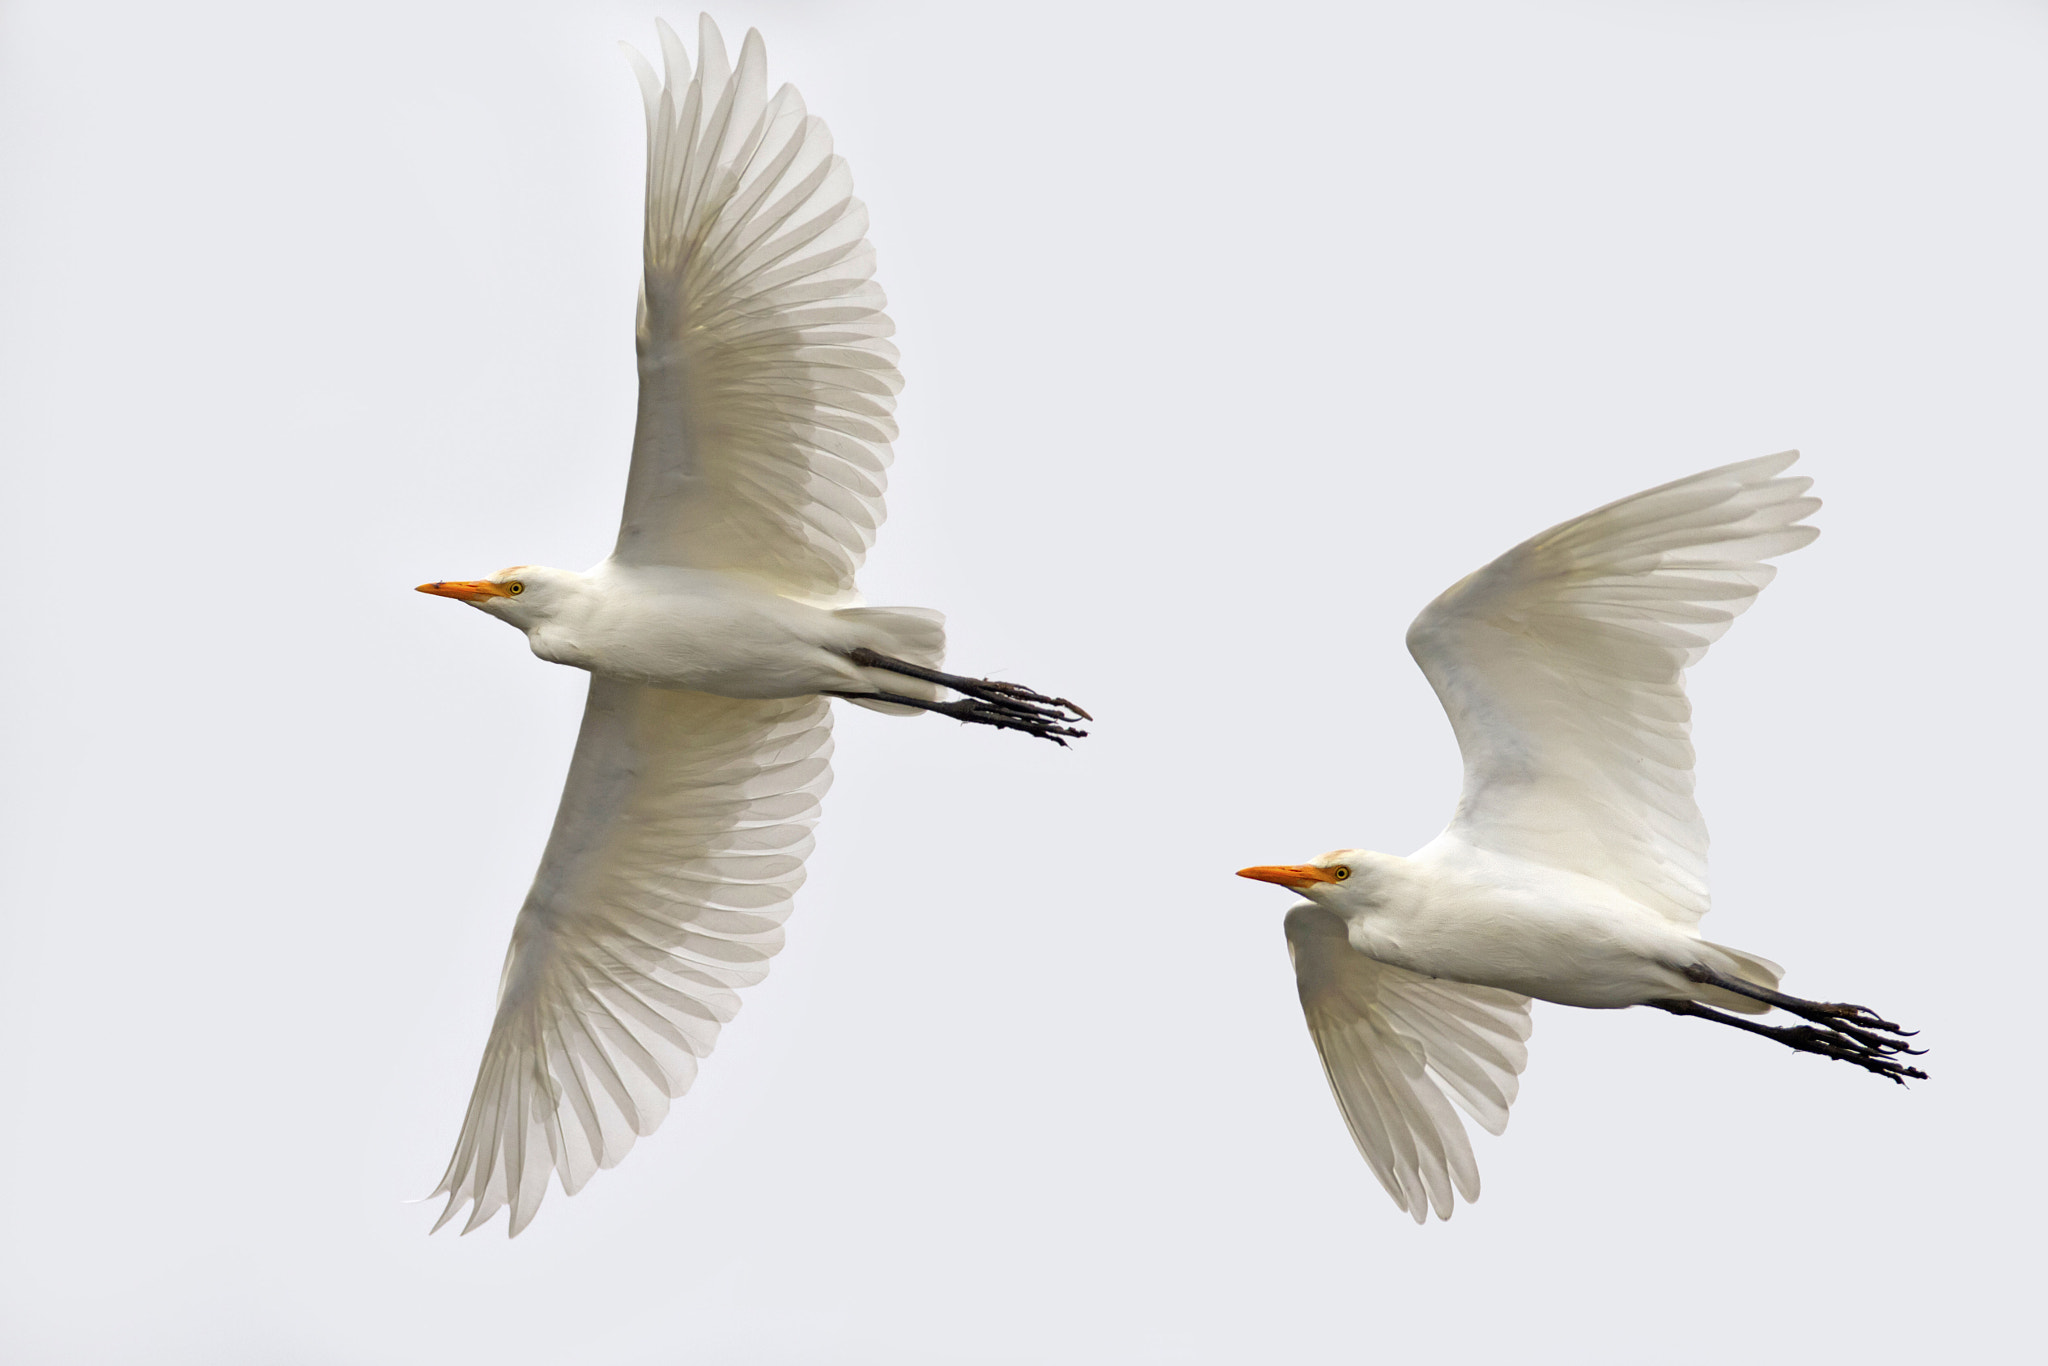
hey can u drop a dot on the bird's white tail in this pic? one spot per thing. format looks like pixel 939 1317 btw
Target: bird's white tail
pixel 915 635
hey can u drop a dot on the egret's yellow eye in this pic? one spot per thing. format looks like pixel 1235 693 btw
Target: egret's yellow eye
pixel 515 589
pixel 1340 873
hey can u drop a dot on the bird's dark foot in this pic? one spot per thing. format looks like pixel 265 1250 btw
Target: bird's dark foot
pixel 1046 726
pixel 984 701
pixel 1881 1058
pixel 1846 1033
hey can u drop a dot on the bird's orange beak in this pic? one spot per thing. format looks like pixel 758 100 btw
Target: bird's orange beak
pixel 466 590
pixel 1297 877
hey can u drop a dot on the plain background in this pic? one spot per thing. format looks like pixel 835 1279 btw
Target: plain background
pixel 1232 335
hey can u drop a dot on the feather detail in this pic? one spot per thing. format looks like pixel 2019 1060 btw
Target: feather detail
pixel 1398 1050
pixel 767 383
pixel 1562 666
pixel 675 855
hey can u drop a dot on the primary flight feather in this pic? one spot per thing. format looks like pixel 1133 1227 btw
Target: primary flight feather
pixel 723 620
pixel 1574 869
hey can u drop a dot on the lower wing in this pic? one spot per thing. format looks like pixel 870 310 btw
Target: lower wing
pixel 678 846
pixel 1398 1048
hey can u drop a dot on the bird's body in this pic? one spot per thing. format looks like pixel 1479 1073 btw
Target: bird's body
pixel 701 630
pixel 1457 912
pixel 1574 869
pixel 715 634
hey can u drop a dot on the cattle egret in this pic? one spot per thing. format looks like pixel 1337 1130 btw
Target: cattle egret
pixel 723 620
pixel 1575 867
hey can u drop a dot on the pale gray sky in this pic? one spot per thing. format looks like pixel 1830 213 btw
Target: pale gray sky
pixel 1232 335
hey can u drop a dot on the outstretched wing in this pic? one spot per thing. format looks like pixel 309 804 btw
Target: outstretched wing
pixel 1398 1048
pixel 1562 666
pixel 679 843
pixel 766 380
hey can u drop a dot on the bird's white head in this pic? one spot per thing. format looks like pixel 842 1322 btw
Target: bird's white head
pixel 526 595
pixel 1337 877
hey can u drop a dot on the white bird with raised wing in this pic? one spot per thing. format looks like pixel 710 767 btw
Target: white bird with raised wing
pixel 715 632
pixel 1575 867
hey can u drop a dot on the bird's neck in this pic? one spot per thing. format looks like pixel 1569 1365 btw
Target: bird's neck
pixel 563 635
pixel 557 644
pixel 1382 903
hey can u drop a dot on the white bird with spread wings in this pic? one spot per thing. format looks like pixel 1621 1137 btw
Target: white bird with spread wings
pixel 723 621
pixel 1575 867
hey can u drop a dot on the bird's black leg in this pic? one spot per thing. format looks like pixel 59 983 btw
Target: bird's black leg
pixel 996 693
pixel 1834 1039
pixel 982 713
pixel 1836 1015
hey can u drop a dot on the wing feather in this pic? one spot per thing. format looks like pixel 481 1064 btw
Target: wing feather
pixel 678 847
pixel 767 383
pixel 1398 1050
pixel 1562 663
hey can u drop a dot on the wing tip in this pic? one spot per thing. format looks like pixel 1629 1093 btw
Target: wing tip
pixel 1770 465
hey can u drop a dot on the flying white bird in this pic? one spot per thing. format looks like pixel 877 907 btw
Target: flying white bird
pixel 1575 867
pixel 723 620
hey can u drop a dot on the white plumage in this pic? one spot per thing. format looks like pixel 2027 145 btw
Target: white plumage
pixel 763 344
pixel 1574 869
pixel 678 848
pixel 1562 667
pixel 1398 1048
pixel 724 617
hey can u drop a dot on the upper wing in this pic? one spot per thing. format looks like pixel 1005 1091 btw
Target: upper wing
pixel 679 843
pixel 1562 667
pixel 1394 1044
pixel 766 382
